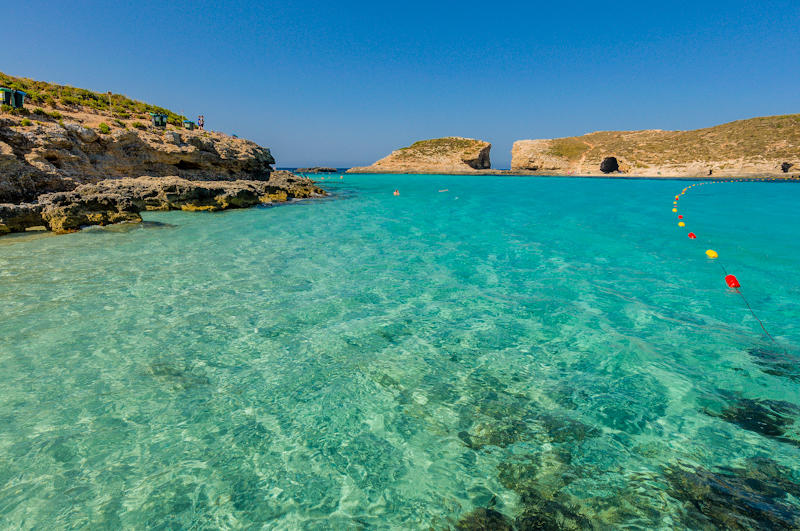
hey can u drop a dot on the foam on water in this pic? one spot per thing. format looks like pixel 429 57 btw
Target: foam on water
pixel 528 345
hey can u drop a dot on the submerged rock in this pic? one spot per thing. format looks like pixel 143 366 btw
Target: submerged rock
pixel 501 434
pixel 737 498
pixel 776 363
pixel 548 514
pixel 770 418
pixel 176 376
pixel 484 520
pixel 564 429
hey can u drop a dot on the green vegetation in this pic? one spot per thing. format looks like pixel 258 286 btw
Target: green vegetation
pixel 6 108
pixel 568 148
pixel 120 123
pixel 104 128
pixel 139 125
pixel 52 114
pixel 43 93
pixel 25 122
pixel 438 147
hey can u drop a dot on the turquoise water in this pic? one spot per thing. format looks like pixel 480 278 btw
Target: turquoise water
pixel 544 348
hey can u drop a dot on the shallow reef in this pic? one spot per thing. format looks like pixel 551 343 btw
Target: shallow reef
pixel 771 418
pixel 753 497
pixel 776 363
pixel 482 519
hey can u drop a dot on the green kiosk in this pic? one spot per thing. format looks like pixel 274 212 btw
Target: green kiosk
pixel 12 97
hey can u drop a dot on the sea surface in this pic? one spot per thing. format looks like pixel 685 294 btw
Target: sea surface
pixel 475 351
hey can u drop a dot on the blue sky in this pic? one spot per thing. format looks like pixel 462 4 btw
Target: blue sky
pixel 344 83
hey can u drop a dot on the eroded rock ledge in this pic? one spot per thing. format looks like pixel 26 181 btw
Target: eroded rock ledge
pixel 121 200
pixel 50 157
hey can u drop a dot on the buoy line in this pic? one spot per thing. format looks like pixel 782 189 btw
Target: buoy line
pixel 730 279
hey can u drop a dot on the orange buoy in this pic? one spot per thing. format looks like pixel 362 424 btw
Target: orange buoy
pixel 692 236
pixel 732 281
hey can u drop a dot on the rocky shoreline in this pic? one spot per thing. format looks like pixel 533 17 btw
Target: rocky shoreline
pixel 122 200
pixel 64 176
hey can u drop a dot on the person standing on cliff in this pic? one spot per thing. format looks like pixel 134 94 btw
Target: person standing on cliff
pixel 201 121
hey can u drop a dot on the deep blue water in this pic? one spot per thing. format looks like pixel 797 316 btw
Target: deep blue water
pixel 546 348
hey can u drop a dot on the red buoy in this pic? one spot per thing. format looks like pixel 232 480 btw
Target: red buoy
pixel 680 216
pixel 692 236
pixel 732 282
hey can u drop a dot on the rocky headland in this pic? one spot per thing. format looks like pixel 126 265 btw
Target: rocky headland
pixel 451 155
pixel 757 146
pixel 67 164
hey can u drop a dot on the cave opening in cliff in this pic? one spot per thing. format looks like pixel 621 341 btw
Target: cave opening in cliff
pixel 186 165
pixel 609 164
pixel 52 159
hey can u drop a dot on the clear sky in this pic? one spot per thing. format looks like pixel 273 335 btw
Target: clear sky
pixel 344 83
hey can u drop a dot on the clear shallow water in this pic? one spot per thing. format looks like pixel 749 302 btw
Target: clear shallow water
pixel 533 345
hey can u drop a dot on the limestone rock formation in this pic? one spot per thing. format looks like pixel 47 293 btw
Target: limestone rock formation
pixel 50 157
pixel 121 200
pixel 536 155
pixel 440 155
pixel 756 146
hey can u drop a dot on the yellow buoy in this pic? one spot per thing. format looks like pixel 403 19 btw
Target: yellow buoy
pixel 681 224
pixel 711 253
pixel 674 209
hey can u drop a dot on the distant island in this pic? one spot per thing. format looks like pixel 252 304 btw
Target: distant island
pixel 71 157
pixel 757 146
pixel 317 169
pixel 453 154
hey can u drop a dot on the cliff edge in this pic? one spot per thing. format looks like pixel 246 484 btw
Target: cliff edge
pixel 767 145
pixel 439 155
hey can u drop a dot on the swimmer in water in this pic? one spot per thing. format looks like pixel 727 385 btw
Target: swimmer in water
pixel 396 192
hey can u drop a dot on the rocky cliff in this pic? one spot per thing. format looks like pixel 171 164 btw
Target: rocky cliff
pixel 49 157
pixel 440 155
pixel 84 158
pixel 769 145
